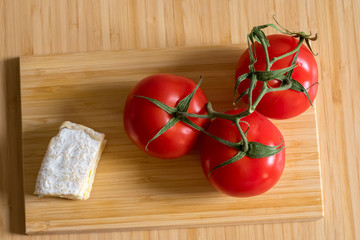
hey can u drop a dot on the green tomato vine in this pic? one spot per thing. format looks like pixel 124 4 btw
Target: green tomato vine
pixel 244 147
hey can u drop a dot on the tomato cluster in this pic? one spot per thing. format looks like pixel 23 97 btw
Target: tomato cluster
pixel 242 152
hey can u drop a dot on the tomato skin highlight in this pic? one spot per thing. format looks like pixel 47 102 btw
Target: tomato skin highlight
pixel 143 119
pixel 247 176
pixel 282 104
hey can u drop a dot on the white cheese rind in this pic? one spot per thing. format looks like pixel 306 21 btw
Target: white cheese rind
pixel 69 166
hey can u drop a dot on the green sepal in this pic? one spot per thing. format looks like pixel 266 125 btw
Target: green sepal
pixel 300 88
pixel 235 102
pixel 258 150
pixel 252 54
pixel 166 108
pixel 259 34
pixel 235 158
pixel 182 106
pixel 166 127
pixel 289 73
pixel 184 103
pixel 248 126
pixel 308 43
pixel 251 88
pixel 273 74
pixel 295 85
pixel 238 81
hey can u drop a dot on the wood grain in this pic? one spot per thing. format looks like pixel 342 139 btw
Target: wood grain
pixel 132 190
pixel 37 27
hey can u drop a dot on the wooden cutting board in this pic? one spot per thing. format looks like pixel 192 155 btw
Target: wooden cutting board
pixel 131 189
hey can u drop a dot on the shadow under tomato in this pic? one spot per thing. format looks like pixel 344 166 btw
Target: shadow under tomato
pixel 182 176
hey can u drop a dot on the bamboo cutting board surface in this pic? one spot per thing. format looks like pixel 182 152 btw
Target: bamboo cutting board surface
pixel 132 190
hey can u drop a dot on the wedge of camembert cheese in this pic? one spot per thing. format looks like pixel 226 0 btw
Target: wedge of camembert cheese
pixel 69 166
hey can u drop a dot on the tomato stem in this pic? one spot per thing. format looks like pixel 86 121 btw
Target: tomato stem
pixel 193 115
pixel 264 90
pixel 211 113
pixel 268 63
pixel 245 145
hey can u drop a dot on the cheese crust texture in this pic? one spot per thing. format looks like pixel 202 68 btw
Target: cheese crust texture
pixel 69 166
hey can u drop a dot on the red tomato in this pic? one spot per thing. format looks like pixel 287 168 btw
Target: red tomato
pixel 288 103
pixel 143 119
pixel 247 176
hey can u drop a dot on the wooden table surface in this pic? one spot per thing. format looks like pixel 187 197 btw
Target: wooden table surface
pixel 35 27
